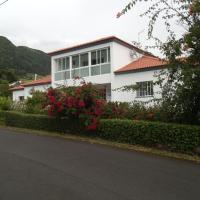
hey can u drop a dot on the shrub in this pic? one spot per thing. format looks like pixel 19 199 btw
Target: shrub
pixel 183 138
pixel 35 104
pixel 18 106
pixel 80 103
pixel 134 110
pixel 2 117
pixel 5 103
pixel 41 122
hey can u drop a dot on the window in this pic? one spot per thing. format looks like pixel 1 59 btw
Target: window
pixel 21 98
pixel 104 56
pixel 84 60
pixel 100 56
pixel 94 58
pixel 145 89
pixel 80 65
pixel 100 61
pixel 62 64
pixel 75 61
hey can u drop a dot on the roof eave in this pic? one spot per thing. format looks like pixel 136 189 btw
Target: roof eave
pixel 103 41
pixel 139 70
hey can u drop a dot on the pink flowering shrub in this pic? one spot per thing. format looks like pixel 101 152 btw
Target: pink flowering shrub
pixel 80 103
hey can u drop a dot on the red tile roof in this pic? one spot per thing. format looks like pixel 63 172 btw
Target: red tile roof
pixel 43 81
pixel 96 42
pixel 17 88
pixel 145 62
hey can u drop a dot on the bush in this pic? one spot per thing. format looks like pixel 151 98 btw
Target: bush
pixel 80 103
pixel 41 122
pixel 2 117
pixel 18 106
pixel 134 110
pixel 5 103
pixel 183 138
pixel 36 103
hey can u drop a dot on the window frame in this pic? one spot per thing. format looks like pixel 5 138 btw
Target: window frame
pixel 145 89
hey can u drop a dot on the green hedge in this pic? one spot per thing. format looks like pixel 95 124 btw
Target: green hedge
pixel 2 116
pixel 182 138
pixel 40 122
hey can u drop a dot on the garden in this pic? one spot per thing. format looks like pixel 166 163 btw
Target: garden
pixel 80 110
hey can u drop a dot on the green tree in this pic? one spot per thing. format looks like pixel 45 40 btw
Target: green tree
pixel 181 92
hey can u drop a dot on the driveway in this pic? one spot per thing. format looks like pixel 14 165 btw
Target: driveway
pixel 44 168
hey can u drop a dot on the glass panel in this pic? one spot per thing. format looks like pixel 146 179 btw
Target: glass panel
pixel 75 61
pixel 95 70
pixel 98 56
pixel 104 56
pixel 66 65
pixel 63 63
pixel 150 88
pixel 66 75
pixel 84 72
pixel 105 69
pixel 58 76
pixel 93 58
pixel 84 59
pixel 145 89
pixel 75 73
pixel 108 54
pixel 58 65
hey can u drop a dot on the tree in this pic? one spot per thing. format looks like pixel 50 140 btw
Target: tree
pixel 181 92
pixel 3 2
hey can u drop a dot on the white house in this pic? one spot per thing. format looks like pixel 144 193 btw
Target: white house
pixel 109 63
pixel 24 90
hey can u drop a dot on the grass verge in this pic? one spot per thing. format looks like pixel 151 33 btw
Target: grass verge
pixel 95 140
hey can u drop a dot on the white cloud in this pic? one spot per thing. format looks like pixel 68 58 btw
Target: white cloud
pixel 53 24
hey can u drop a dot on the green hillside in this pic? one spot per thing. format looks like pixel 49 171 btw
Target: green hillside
pixel 22 60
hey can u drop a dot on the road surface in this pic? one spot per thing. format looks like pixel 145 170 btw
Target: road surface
pixel 44 168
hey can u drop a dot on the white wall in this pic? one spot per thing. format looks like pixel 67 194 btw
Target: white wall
pixel 121 80
pixel 120 56
pixel 42 88
pixel 16 94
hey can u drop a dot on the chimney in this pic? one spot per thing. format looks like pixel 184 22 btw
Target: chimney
pixel 35 77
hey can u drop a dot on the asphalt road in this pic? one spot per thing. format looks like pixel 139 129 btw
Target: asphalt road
pixel 44 168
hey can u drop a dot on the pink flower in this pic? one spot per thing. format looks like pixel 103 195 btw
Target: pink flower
pixel 92 127
pixel 52 99
pixel 81 104
pixel 70 102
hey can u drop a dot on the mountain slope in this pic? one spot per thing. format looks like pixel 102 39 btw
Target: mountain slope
pixel 23 60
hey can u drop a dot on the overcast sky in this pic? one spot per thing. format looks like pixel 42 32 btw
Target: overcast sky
pixel 52 24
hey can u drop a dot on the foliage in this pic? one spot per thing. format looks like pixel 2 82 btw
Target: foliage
pixel 182 138
pixel 5 103
pixel 40 122
pixel 181 88
pixel 134 110
pixel 18 106
pixel 4 88
pixel 36 103
pixel 8 75
pixel 79 103
pixel 22 60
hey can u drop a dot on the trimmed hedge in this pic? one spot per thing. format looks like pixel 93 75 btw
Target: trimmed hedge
pixel 2 116
pixel 40 122
pixel 175 137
